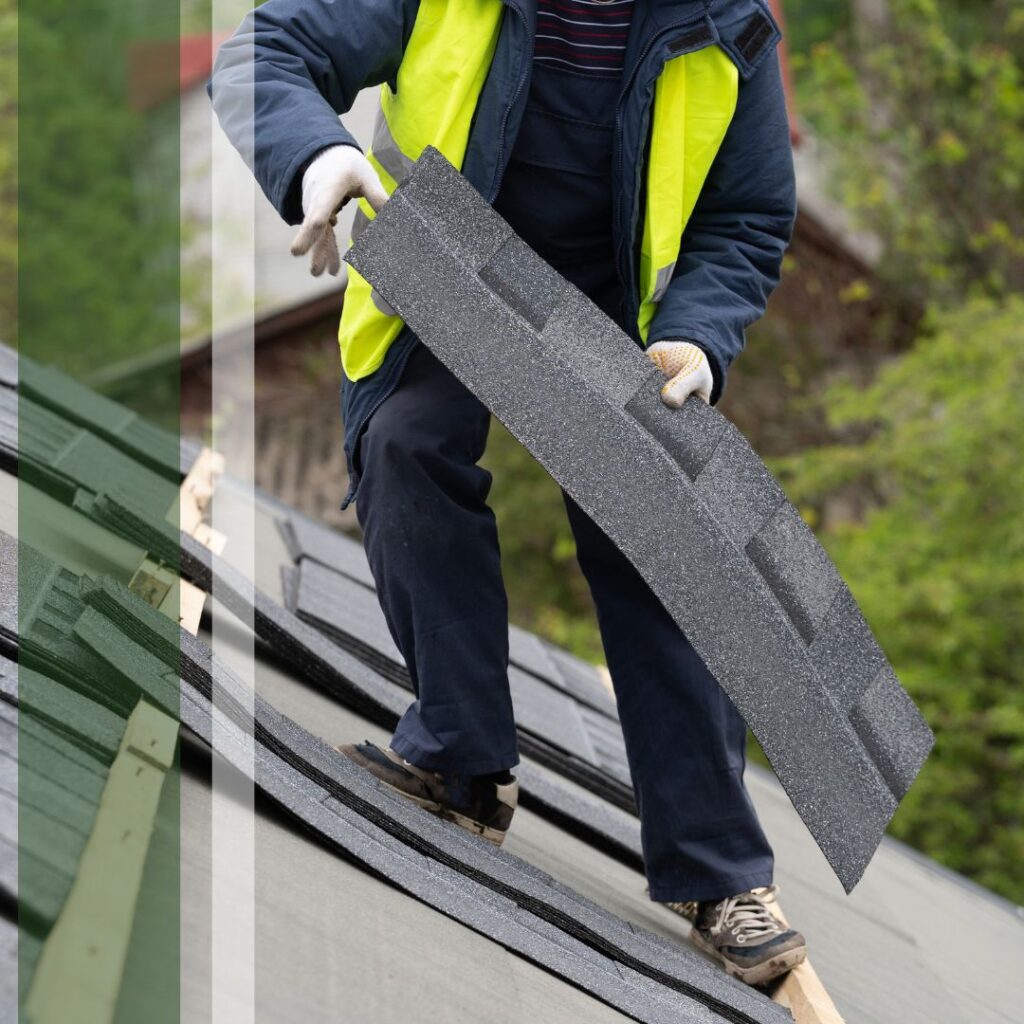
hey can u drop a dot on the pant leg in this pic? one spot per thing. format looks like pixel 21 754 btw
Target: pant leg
pixel 432 545
pixel 684 739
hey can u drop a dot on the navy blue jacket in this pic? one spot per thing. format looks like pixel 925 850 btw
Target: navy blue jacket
pixel 281 82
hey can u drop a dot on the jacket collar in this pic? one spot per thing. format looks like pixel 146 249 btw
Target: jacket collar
pixel 744 28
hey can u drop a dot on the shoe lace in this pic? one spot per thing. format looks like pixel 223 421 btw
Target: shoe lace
pixel 748 915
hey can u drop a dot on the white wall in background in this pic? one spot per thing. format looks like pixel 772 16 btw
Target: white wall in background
pixel 282 280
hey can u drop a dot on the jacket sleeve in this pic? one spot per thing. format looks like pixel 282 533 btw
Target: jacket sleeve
pixel 732 248
pixel 292 67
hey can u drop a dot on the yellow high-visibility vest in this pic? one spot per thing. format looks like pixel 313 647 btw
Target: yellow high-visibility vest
pixel 438 85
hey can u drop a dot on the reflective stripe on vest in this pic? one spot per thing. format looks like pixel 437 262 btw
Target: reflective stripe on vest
pixel 439 82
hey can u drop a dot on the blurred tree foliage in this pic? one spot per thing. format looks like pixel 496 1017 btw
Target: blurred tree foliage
pixel 8 168
pixel 937 563
pixel 927 126
pixel 98 261
pixel 811 21
pixel 921 500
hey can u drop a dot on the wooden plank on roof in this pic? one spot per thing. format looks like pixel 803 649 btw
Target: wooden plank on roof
pixel 78 976
pixel 197 490
pixel 160 586
pixel 802 991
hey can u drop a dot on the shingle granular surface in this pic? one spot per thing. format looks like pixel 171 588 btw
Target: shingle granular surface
pixel 681 493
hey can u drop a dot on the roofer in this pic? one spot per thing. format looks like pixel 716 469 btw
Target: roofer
pixel 642 148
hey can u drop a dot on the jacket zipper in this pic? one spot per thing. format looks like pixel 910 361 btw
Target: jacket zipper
pixel 496 183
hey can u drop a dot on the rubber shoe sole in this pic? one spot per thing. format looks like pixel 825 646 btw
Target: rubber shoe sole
pixel 757 974
pixel 488 832
pixel 491 834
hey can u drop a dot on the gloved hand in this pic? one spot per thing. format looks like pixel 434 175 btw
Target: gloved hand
pixel 687 368
pixel 335 176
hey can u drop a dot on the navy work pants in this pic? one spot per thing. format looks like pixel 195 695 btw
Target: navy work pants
pixel 433 550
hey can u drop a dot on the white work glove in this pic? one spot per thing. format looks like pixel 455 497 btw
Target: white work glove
pixel 687 368
pixel 338 174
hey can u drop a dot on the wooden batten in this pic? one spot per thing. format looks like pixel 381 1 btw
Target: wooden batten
pixel 159 585
pixel 803 993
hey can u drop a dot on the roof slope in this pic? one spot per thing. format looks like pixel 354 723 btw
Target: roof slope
pixel 556 924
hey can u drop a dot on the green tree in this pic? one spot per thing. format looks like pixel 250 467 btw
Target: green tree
pixel 98 260
pixel 8 169
pixel 934 553
pixel 926 121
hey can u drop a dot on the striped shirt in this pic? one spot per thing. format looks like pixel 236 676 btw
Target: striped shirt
pixel 583 35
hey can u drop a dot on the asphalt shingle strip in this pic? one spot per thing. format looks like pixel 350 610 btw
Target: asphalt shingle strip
pixel 347 611
pixel 574 922
pixel 55 757
pixel 9 430
pixel 609 747
pixel 797 569
pixel 55 749
pixel 530 654
pixel 583 399
pixel 71 401
pixel 150 445
pixel 120 512
pixel 550 725
pixel 54 604
pixel 550 715
pixel 582 680
pixel 84 722
pixel 41 888
pixel 101 905
pixel 313 545
pixel 54 753
pixel 472 903
pixel 11 947
pixel 305 538
pixel 29 788
pixel 64 457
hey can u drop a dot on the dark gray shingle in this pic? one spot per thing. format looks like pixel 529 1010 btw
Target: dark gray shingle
pixel 589 422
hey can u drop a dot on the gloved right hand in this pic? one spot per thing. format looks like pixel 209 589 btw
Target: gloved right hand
pixel 687 367
pixel 337 174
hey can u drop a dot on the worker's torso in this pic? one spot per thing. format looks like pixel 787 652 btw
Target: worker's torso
pixel 660 30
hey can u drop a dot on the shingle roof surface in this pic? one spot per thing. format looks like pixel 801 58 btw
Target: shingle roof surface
pixel 914 943
pixel 465 877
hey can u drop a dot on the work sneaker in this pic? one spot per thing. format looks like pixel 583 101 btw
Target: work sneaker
pixel 482 804
pixel 743 933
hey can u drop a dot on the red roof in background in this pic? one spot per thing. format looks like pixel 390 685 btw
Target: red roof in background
pixel 160 69
pixel 195 58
